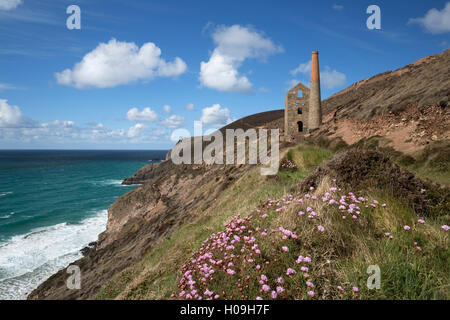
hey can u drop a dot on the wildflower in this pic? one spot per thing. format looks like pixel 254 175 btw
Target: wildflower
pixel 231 272
pixel 280 289
pixel 300 213
pixel 264 216
pixel 355 289
pixel 208 293
pixel 311 293
pixel 406 227
pixel 344 217
pixel 265 288
pixel 384 205
pixel 258 267
pixel 418 248
pixel 421 221
pixel 309 284
pixel 274 295
pixel 307 259
pixel 285 249
pixel 304 269
pixel 290 271
pixel 259 298
pixel 445 227
pixel 321 228
pixel 354 217
pixel 263 277
pixel 216 296
pixel 340 288
pixel 280 280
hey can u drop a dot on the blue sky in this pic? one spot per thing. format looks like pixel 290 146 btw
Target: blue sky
pixel 109 84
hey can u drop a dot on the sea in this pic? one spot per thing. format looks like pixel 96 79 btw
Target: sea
pixel 54 203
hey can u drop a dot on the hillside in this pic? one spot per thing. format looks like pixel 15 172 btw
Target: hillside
pixel 181 213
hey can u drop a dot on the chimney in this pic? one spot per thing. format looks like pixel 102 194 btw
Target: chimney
pixel 315 109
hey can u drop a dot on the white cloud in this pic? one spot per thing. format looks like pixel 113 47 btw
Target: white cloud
pixel 9 4
pixel 189 106
pixel 235 44
pixel 173 122
pixel 435 21
pixel 328 78
pixel 9 115
pixel 135 130
pixel 147 115
pixel 6 86
pixel 17 130
pixel 332 78
pixel 216 115
pixel 116 63
pixel 302 68
pixel 167 108
pixel 338 7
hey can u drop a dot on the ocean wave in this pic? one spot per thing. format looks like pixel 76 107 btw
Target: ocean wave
pixel 7 215
pixel 109 182
pixel 28 260
pixel 2 194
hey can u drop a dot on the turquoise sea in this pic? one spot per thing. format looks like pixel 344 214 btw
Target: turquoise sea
pixel 52 204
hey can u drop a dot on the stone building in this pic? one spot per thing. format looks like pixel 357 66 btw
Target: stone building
pixel 302 105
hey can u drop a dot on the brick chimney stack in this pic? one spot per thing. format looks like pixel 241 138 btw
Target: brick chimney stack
pixel 315 109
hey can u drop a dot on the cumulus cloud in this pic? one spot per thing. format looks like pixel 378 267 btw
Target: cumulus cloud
pixel 338 7
pixel 328 78
pixel 435 21
pixel 234 45
pixel 9 115
pixel 147 115
pixel 167 108
pixel 9 4
pixel 135 130
pixel 116 63
pixel 173 122
pixel 215 115
pixel 189 106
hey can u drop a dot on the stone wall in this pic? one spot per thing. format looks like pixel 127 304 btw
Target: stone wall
pixel 296 111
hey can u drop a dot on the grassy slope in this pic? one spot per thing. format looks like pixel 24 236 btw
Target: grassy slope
pixel 340 255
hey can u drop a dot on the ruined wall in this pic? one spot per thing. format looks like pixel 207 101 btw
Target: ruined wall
pixel 296 108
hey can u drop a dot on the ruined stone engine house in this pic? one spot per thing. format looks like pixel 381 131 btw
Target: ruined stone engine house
pixel 302 108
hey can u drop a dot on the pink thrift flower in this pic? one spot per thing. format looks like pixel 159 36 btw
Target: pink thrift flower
pixel 280 290
pixel 290 271
pixel 265 288
pixel 355 290
pixel 280 280
pixel 300 213
pixel 406 227
pixel 311 293
pixel 321 228
pixel 259 298
pixel 304 269
pixel 274 295
pixel 231 272
pixel 264 216
pixel 309 284
pixel 258 267
pixel 421 221
pixel 216 296
pixel 445 227
pixel 285 249
pixel 340 288
pixel 263 277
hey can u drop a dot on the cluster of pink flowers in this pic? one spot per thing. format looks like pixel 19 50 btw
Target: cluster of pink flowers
pixel 288 164
pixel 234 254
